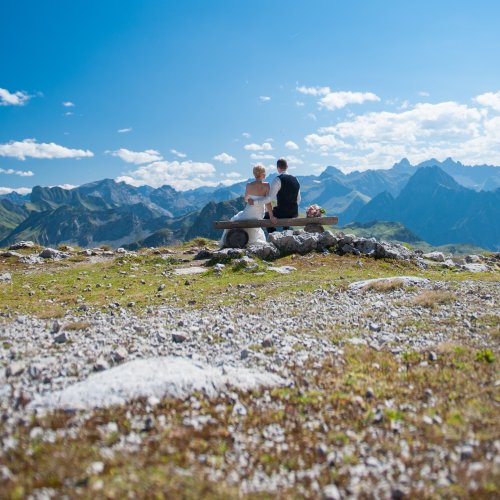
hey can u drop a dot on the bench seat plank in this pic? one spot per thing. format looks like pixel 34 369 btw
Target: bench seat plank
pixel 303 221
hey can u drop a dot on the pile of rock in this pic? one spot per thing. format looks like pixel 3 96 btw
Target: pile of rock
pixel 302 242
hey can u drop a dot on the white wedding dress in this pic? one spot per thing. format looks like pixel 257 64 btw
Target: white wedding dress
pixel 250 212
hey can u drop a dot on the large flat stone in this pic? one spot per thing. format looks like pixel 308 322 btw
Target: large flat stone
pixel 407 280
pixel 155 377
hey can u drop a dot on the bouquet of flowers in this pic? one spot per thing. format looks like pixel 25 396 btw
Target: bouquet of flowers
pixel 315 211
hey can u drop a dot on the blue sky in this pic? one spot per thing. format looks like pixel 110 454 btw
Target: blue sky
pixel 195 92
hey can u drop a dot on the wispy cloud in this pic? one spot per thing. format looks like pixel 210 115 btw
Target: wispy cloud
pixel 124 130
pixel 68 104
pixel 338 100
pixel 137 157
pixel 233 175
pixel 259 156
pixel 246 135
pixel 32 149
pixel 225 158
pixel 315 91
pixel 178 153
pixel 292 146
pixel 18 98
pixel 265 146
pixel 21 173
pixel 21 190
pixel 264 98
pixel 181 175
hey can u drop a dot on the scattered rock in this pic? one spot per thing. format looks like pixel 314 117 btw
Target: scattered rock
pixel 100 365
pixel 435 256
pixel 15 369
pixel 119 354
pixel 5 277
pixel 475 268
pixel 331 492
pixel 61 338
pixel 178 338
pixel 52 253
pixel 22 244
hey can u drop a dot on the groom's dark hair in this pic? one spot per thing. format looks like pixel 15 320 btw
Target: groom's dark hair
pixel 281 163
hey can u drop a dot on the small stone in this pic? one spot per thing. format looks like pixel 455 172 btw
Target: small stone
pixel 61 338
pixel 5 277
pixel 95 468
pixel 369 394
pixel 100 365
pixel 428 393
pixel 15 369
pixel 267 342
pixel 161 287
pixel 244 354
pixel 466 452
pixel 56 326
pixel 131 304
pixel 120 354
pixel 331 492
pixel 375 327
pixel 178 338
pixel 239 409
pixel 432 356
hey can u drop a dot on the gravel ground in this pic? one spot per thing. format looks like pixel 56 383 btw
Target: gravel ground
pixel 41 356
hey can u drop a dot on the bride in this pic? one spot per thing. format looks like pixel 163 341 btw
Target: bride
pixel 257 188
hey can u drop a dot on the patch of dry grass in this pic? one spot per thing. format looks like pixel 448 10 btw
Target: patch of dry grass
pixel 384 286
pixel 433 298
pixel 77 325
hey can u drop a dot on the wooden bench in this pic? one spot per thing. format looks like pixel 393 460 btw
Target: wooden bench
pixel 237 237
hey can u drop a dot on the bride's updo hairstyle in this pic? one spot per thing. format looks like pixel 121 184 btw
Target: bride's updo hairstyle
pixel 259 170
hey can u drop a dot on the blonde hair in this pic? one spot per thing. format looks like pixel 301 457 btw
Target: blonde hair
pixel 258 170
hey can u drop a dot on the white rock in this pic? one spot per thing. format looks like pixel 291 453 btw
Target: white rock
pixel 406 280
pixel 283 269
pixel 5 277
pixel 475 268
pixel 154 377
pixel 190 270
pixel 435 256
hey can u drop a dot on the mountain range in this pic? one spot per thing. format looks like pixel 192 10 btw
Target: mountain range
pixel 442 202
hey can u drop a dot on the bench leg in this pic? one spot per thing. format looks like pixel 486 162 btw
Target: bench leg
pixel 236 238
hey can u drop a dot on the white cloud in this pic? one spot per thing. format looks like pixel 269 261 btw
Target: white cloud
pixel 291 145
pixel 233 175
pixel 137 157
pixel 21 190
pixel 21 173
pixel 67 186
pixel 68 104
pixel 300 104
pixel 294 160
pixel 315 91
pixel 18 98
pixel 31 148
pixel 423 93
pixel 265 146
pixel 178 153
pixel 338 100
pixel 426 130
pixel 264 98
pixel 489 99
pixel 225 158
pixel 181 175
pixel 124 130
pixel 246 135
pixel 260 156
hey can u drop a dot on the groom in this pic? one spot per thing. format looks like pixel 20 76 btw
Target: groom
pixel 285 188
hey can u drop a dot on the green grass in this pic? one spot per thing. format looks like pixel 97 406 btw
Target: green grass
pixel 50 289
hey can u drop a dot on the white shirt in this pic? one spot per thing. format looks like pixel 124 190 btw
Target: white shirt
pixel 273 191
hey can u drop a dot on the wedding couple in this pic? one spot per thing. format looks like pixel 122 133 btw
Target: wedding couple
pixel 285 189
